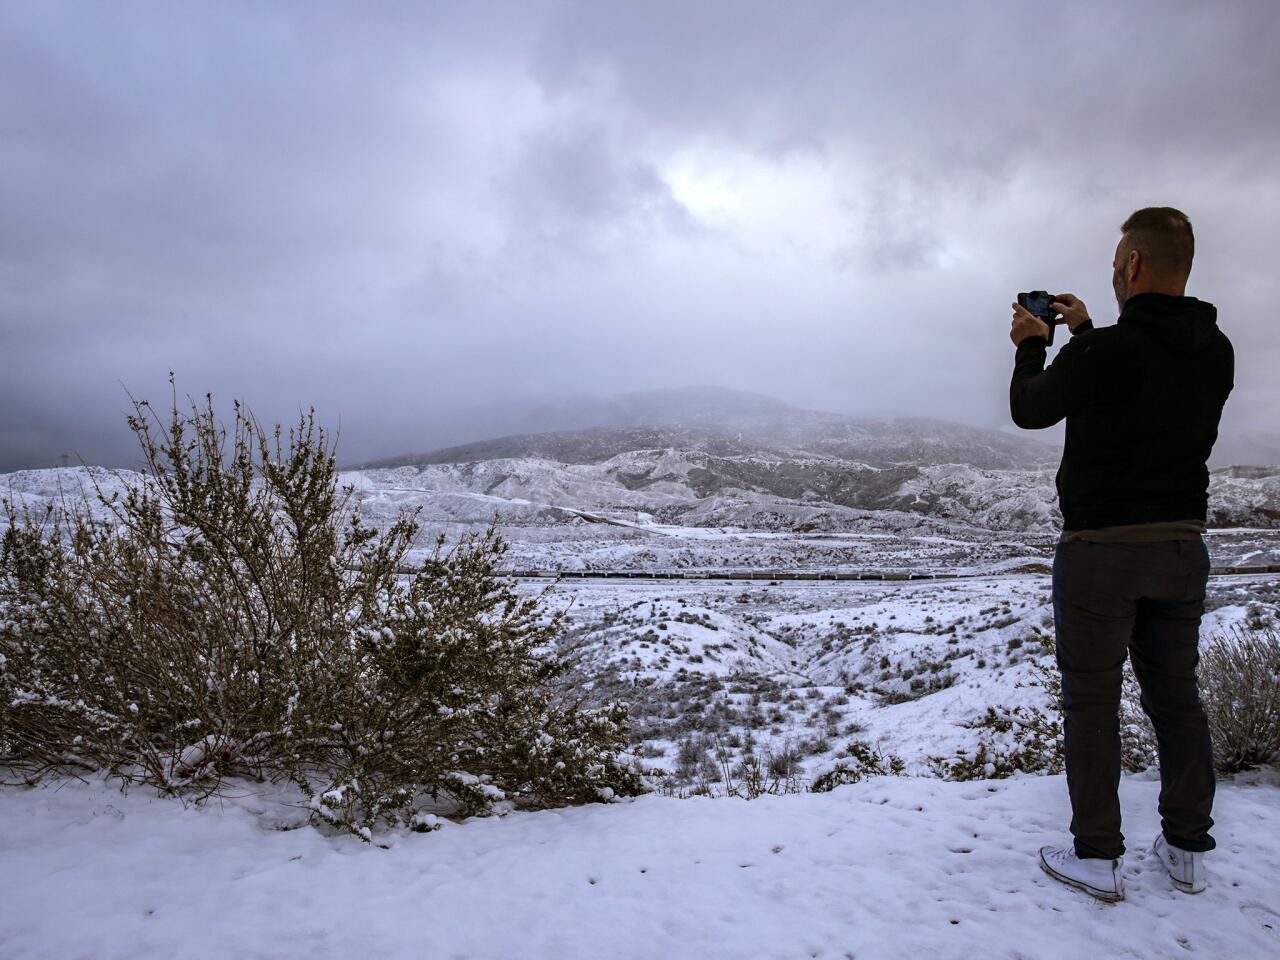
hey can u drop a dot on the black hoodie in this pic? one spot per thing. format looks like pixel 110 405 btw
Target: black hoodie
pixel 1142 401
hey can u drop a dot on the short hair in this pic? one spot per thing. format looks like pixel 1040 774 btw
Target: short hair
pixel 1164 237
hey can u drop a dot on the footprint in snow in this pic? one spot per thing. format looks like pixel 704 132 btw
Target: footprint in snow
pixel 1264 917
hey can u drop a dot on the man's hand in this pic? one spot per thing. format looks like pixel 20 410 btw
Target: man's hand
pixel 1072 309
pixel 1026 324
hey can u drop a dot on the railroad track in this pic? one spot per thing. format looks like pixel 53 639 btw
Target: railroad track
pixel 811 574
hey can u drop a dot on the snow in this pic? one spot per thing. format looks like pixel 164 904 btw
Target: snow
pixel 891 867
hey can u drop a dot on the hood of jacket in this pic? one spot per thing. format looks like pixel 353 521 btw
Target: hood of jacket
pixel 1182 324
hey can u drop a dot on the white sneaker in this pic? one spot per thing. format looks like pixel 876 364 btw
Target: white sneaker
pixel 1098 878
pixel 1186 868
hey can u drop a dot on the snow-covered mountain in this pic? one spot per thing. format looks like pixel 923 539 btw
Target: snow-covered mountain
pixel 733 424
pixel 706 457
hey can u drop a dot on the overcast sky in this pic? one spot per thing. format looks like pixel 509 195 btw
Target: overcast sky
pixel 396 212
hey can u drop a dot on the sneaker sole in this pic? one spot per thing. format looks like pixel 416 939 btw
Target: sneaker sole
pixel 1106 896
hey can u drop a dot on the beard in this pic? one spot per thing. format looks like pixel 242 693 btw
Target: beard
pixel 1120 284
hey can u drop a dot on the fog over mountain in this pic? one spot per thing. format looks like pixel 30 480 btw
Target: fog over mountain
pixel 728 423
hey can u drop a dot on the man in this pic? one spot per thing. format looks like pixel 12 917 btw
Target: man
pixel 1142 400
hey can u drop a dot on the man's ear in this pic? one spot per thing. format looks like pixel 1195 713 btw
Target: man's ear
pixel 1133 266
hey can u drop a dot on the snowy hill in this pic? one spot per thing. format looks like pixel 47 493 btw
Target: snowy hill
pixel 695 488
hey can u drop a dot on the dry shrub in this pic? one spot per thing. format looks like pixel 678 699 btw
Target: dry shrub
pixel 234 616
pixel 1240 686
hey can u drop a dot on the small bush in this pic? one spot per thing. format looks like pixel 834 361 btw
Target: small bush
pixel 785 763
pixel 1240 687
pixel 860 761
pixel 233 615
pixel 690 756
pixel 817 745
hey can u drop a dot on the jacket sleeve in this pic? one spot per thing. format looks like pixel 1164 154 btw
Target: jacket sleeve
pixel 1039 397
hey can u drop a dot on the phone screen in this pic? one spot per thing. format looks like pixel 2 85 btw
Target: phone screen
pixel 1041 307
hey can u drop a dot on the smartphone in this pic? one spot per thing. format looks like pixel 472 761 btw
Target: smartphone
pixel 1039 304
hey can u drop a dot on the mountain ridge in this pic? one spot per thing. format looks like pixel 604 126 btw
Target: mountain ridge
pixel 728 423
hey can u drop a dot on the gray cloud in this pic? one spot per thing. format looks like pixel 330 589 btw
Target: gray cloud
pixel 400 212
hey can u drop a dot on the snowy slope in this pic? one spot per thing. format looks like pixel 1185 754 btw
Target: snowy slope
pixel 809 668
pixel 887 868
pixel 695 489
pixel 689 488
pixel 655 638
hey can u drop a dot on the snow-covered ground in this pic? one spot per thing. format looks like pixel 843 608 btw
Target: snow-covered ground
pixel 716 672
pixel 886 868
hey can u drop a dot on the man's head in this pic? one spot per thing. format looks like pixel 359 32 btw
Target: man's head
pixel 1154 253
